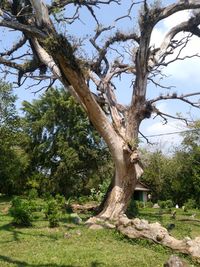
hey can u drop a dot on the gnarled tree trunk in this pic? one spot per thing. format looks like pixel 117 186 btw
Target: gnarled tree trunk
pixel 127 171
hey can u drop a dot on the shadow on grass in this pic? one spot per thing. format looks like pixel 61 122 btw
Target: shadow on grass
pixel 96 264
pixel 15 231
pixel 19 263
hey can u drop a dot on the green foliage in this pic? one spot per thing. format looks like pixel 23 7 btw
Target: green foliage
pixel 175 177
pixel 133 209
pixel 14 161
pixel 32 194
pixel 190 204
pixel 166 204
pixel 61 201
pixel 149 204
pixel 21 212
pixel 52 212
pixel 99 193
pixel 65 149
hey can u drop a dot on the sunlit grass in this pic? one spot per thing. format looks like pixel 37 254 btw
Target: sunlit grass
pixel 71 245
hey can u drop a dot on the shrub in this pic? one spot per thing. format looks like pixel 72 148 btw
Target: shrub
pixel 98 194
pixel 33 193
pixel 61 202
pixel 190 204
pixel 52 212
pixel 132 210
pixel 140 204
pixel 149 204
pixel 165 204
pixel 21 212
pixel 169 204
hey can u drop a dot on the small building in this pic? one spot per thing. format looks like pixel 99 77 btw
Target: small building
pixel 141 192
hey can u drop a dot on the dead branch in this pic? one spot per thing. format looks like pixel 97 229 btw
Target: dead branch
pixel 96 3
pixel 147 140
pixel 167 11
pixel 181 98
pixel 128 15
pixel 118 37
pixel 164 115
pixel 15 47
pixel 32 31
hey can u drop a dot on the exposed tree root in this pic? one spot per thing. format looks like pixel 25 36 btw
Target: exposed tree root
pixel 137 228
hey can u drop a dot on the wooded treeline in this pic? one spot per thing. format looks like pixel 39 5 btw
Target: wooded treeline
pixel 52 147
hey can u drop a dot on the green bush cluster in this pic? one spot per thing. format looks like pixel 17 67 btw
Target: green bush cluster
pixel 21 211
pixel 190 204
pixel 133 208
pixel 98 194
pixel 167 204
pixel 52 212
pixel 24 210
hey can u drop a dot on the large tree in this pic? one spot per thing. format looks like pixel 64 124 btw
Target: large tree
pixel 14 160
pixel 67 155
pixel 55 54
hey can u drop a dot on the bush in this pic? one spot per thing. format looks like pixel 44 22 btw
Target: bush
pixel 165 204
pixel 169 204
pixel 132 210
pixel 61 201
pixel 149 204
pixel 140 204
pixel 190 204
pixel 21 212
pixel 52 212
pixel 98 195
pixel 32 193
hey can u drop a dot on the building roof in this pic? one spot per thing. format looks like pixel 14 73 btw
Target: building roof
pixel 141 187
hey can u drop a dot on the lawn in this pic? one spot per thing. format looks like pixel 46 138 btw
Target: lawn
pixel 71 245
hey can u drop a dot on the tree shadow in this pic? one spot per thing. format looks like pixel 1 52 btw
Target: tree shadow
pixel 96 264
pixel 19 263
pixel 16 233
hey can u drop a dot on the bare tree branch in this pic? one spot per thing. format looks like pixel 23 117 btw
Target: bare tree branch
pixel 15 47
pixel 164 115
pixel 181 98
pixel 32 31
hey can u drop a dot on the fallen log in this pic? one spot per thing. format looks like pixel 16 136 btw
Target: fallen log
pixel 140 228
pixel 137 228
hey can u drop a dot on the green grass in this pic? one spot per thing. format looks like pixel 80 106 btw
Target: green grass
pixel 70 245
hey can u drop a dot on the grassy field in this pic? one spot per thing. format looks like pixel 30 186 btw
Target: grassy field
pixel 71 245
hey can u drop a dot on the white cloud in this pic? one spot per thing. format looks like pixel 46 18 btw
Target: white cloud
pixel 176 18
pixel 162 136
pixel 181 70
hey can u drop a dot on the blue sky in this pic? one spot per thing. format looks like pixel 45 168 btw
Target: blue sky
pixel 183 75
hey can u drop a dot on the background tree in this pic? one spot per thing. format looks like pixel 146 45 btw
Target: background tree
pixel 14 160
pixel 175 176
pixel 187 184
pixel 56 55
pixel 67 155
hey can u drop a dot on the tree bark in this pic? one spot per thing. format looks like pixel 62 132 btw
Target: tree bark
pixel 126 174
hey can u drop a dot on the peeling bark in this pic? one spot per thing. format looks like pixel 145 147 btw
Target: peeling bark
pixel 137 228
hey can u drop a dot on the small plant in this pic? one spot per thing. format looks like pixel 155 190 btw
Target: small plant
pixel 168 204
pixel 133 209
pixel 98 194
pixel 52 212
pixel 190 204
pixel 149 204
pixel 21 212
pixel 33 193
pixel 61 202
